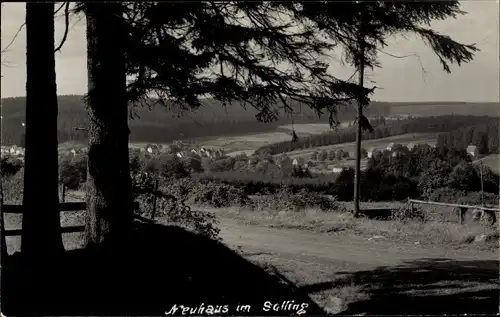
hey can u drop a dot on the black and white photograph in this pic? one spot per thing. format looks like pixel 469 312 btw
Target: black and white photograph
pixel 250 158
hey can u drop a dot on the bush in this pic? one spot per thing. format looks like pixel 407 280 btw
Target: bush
pixel 253 183
pixel 171 205
pixel 435 176
pixel 73 170
pixel 13 187
pixel 464 178
pixel 407 212
pixel 286 200
pixel 217 195
pixel 10 166
pixel 446 195
pixel 450 195
pixel 322 156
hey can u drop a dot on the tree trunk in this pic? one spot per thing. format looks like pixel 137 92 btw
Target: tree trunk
pixel 109 191
pixel 41 222
pixel 359 135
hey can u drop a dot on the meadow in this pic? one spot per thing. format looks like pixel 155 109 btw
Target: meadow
pixel 492 161
pixel 418 138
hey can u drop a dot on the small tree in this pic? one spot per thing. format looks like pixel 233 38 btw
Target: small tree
pixel 464 177
pixel 323 155
pixel 434 176
pixel 332 155
pixel 339 155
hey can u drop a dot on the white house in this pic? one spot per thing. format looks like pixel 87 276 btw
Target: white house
pixel 411 145
pixel 153 149
pixel 472 150
pixel 295 162
pixel 337 169
pixel 179 155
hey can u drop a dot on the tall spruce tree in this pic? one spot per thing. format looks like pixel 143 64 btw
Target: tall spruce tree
pixel 41 236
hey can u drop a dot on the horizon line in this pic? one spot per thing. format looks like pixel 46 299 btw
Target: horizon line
pixel 393 101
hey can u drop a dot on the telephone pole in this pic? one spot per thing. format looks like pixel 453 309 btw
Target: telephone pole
pixel 361 75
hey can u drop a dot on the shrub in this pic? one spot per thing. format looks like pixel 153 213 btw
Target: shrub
pixel 450 195
pixel 446 194
pixel 171 205
pixel 407 212
pixel 322 156
pixel 435 176
pixel 286 200
pixel 13 187
pixel 9 166
pixel 217 195
pixel 464 178
pixel 344 185
pixel 73 170
pixel 171 166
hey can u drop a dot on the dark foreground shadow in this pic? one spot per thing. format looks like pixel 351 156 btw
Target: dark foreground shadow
pixel 165 266
pixel 423 287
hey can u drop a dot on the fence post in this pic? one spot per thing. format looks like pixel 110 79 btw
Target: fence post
pixel 461 214
pixel 3 245
pixel 63 193
pixel 411 204
pixel 154 200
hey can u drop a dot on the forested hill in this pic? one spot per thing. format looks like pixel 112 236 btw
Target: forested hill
pixel 164 125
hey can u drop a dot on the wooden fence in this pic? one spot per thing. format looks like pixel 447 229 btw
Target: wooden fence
pixel 463 208
pixel 63 207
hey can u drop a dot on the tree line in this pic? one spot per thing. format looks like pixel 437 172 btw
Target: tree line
pixel 385 129
pixel 485 136
pixel 159 125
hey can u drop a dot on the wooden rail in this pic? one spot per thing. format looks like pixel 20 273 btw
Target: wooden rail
pixel 452 205
pixel 63 207
pixel 462 209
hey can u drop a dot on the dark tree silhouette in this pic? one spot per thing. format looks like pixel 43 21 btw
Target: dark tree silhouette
pixel 109 192
pixel 41 222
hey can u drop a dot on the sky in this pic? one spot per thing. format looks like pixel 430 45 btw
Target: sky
pixel 401 79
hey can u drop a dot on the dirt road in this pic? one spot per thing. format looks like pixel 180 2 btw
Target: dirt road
pixel 362 275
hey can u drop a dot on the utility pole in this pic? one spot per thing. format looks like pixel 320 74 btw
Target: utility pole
pixel 482 185
pixel 361 75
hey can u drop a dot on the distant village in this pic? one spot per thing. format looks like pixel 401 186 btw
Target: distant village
pixel 181 149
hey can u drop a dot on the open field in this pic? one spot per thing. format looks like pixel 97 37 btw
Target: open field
pixel 248 143
pixel 492 161
pixel 429 138
pixel 312 128
pixel 349 163
pixel 439 109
